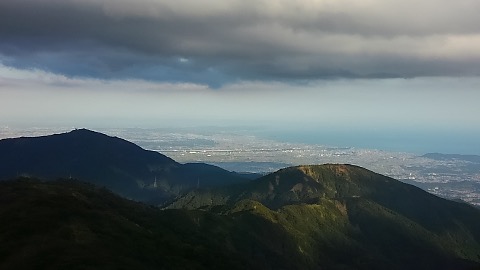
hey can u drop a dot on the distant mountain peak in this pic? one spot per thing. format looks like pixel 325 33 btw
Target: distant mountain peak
pixel 85 131
pixel 337 169
pixel 82 130
pixel 118 164
pixel 307 184
pixel 333 175
pixel 443 157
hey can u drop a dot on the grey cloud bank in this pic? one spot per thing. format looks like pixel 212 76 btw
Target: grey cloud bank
pixel 420 114
pixel 218 42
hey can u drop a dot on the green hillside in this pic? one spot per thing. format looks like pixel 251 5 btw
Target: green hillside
pixel 344 216
pixel 67 224
pixel 341 217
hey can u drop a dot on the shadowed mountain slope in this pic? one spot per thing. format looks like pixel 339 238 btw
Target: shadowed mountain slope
pixel 356 216
pixel 107 161
pixel 66 224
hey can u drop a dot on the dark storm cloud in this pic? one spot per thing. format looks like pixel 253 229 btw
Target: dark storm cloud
pixel 219 41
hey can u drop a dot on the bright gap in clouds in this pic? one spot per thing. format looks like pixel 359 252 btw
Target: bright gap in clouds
pixel 416 115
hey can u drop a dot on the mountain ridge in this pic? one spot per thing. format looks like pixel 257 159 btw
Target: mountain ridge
pixel 93 227
pixel 371 208
pixel 331 216
pixel 108 161
pixel 440 156
pixel 299 184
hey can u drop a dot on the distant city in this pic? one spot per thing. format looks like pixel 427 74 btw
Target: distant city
pixel 451 176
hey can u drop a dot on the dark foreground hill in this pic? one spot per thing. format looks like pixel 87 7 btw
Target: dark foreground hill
pixel 121 166
pixel 340 217
pixel 66 224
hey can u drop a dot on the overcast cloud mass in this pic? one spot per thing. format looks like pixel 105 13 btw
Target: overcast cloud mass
pixel 408 71
pixel 216 42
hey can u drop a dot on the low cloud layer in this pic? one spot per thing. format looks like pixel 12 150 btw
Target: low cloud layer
pixel 217 42
pixel 34 97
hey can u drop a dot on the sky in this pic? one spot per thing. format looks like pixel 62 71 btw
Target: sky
pixel 391 74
